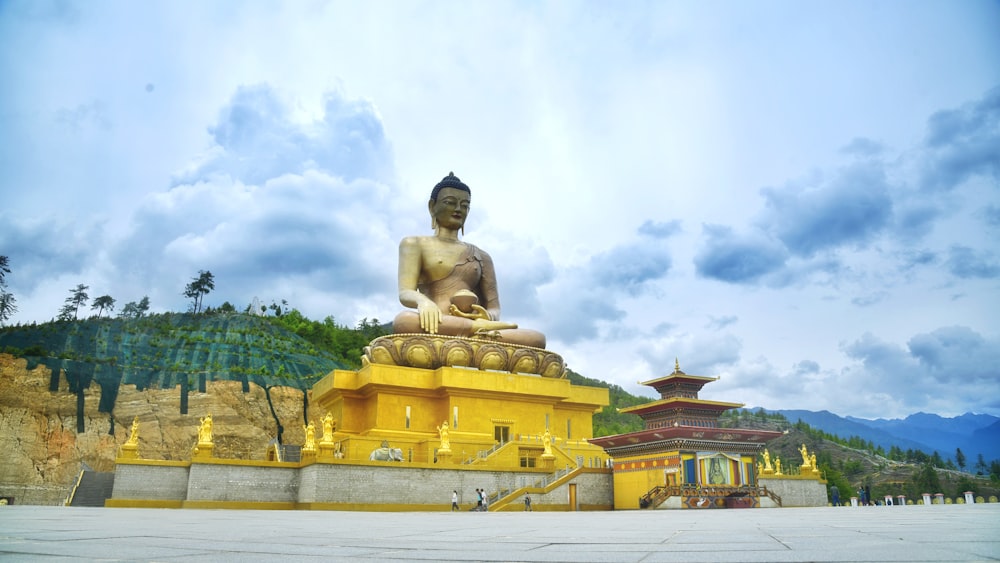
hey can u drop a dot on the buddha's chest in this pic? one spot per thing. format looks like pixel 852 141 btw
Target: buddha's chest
pixel 439 260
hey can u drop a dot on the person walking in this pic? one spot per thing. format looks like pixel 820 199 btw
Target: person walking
pixel 454 501
pixel 835 494
pixel 527 503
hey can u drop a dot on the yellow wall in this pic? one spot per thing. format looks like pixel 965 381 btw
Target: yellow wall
pixel 634 476
pixel 369 407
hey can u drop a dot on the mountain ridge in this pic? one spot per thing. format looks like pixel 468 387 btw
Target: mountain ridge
pixel 975 434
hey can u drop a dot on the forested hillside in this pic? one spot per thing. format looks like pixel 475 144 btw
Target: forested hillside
pixel 185 351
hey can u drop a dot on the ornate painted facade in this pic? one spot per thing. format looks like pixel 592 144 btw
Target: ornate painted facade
pixel 682 457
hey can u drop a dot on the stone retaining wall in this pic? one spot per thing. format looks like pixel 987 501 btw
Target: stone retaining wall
pixel 796 492
pixel 230 483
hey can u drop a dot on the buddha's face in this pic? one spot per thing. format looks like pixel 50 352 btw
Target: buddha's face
pixel 451 208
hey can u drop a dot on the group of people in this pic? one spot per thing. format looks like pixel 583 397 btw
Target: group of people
pixel 864 496
pixel 482 501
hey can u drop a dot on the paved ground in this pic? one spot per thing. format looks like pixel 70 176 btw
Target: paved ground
pixel 912 533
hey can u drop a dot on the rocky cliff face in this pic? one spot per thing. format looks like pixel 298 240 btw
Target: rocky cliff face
pixel 42 452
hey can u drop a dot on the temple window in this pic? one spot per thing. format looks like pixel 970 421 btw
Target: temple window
pixel 569 429
pixel 407 425
pixel 454 418
pixel 527 457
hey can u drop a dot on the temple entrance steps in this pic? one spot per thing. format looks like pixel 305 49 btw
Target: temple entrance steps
pixel 734 496
pixel 92 488
pixel 771 495
pixel 500 500
pixel 655 496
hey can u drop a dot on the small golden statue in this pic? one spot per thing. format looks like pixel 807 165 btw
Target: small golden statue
pixel 310 443
pixel 443 435
pixel 812 461
pixel 328 426
pixel 767 462
pixel 205 430
pixel 133 438
pixel 547 444
pixel 805 456
pixel 130 449
pixel 204 447
pixel 777 466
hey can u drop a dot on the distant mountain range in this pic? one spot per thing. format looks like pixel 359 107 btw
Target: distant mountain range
pixel 974 433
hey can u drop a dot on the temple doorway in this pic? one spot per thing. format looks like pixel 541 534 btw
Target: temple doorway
pixel 501 434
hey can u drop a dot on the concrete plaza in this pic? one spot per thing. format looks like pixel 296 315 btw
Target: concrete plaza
pixel 910 533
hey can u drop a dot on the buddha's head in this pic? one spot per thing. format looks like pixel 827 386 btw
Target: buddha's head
pixel 449 203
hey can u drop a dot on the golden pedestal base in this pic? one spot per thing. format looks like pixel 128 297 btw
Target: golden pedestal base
pixel 203 451
pixel 428 351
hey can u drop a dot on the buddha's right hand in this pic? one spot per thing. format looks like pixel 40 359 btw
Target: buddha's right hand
pixel 430 316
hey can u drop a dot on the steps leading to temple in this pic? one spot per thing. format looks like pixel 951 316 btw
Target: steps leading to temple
pixel 94 488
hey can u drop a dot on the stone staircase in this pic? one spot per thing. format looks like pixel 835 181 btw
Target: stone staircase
pixel 92 489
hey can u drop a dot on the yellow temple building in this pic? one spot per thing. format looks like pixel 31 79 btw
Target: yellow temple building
pixel 462 416
pixel 682 458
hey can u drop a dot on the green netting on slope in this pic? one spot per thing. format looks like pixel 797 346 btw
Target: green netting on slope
pixel 163 351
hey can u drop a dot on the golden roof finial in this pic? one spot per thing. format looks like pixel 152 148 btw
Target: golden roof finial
pixel 677 366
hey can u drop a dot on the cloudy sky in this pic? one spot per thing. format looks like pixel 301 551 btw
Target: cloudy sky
pixel 800 198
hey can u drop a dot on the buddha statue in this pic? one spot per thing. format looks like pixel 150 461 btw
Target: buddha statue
pixel 451 283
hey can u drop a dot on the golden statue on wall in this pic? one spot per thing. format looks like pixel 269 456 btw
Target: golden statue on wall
pixel 130 449
pixel 310 431
pixel 443 435
pixel 133 438
pixel 767 462
pixel 328 426
pixel 205 430
pixel 547 444
pixel 805 456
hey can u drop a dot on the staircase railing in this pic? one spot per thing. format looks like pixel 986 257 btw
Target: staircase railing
pixel 545 484
pixel 772 495
pixel 483 454
pixel 660 493
pixel 72 492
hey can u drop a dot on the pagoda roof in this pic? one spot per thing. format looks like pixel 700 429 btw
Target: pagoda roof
pixel 678 376
pixel 689 435
pixel 681 403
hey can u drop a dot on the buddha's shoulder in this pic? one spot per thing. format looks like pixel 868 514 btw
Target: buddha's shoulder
pixel 416 240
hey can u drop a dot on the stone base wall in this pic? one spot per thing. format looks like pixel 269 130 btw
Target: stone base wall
pixel 796 492
pixel 163 481
pixel 345 486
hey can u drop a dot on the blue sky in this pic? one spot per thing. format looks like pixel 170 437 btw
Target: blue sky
pixel 801 199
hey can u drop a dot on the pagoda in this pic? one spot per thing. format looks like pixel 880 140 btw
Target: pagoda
pixel 682 458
